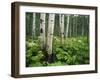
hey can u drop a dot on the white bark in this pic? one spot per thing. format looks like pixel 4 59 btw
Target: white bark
pixel 82 25
pixel 74 25
pixel 42 30
pixel 50 33
pixel 76 22
pixel 67 27
pixel 62 28
pixel 70 26
pixel 33 26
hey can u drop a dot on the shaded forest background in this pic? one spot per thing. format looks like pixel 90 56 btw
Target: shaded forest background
pixel 56 39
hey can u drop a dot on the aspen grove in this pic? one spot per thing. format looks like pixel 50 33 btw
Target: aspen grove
pixel 56 39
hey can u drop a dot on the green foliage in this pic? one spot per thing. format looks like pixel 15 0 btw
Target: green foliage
pixel 75 51
pixel 33 53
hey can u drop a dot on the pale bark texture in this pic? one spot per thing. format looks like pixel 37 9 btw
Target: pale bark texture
pixel 61 17
pixel 76 22
pixel 50 33
pixel 33 26
pixel 74 25
pixel 82 25
pixel 67 27
pixel 70 26
pixel 42 30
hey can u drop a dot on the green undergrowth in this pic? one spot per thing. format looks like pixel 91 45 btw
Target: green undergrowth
pixel 75 51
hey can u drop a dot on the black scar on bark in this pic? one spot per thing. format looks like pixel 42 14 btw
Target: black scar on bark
pixel 41 20
pixel 41 30
pixel 51 20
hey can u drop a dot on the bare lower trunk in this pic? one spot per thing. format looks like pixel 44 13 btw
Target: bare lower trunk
pixel 33 26
pixel 42 30
pixel 76 22
pixel 62 28
pixel 82 25
pixel 67 27
pixel 50 33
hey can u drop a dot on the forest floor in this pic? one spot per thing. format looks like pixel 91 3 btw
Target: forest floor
pixel 75 51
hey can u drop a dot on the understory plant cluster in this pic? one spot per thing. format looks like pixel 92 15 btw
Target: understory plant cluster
pixel 74 51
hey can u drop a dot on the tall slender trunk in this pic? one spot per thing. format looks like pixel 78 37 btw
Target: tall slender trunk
pixel 87 28
pixel 70 26
pixel 74 25
pixel 82 25
pixel 62 28
pixel 33 26
pixel 67 27
pixel 42 30
pixel 76 22
pixel 50 33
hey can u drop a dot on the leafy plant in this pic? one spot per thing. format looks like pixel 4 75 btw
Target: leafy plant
pixel 75 51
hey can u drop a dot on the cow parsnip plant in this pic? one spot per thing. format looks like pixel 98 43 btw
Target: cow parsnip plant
pixel 75 51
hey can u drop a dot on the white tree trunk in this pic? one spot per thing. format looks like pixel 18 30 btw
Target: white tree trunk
pixel 82 25
pixel 62 28
pixel 76 22
pixel 67 27
pixel 74 25
pixel 70 26
pixel 33 26
pixel 50 33
pixel 42 30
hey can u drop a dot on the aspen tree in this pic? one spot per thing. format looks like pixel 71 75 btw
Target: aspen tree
pixel 50 33
pixel 42 30
pixel 82 25
pixel 76 22
pixel 70 26
pixel 33 26
pixel 74 25
pixel 61 17
pixel 67 27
